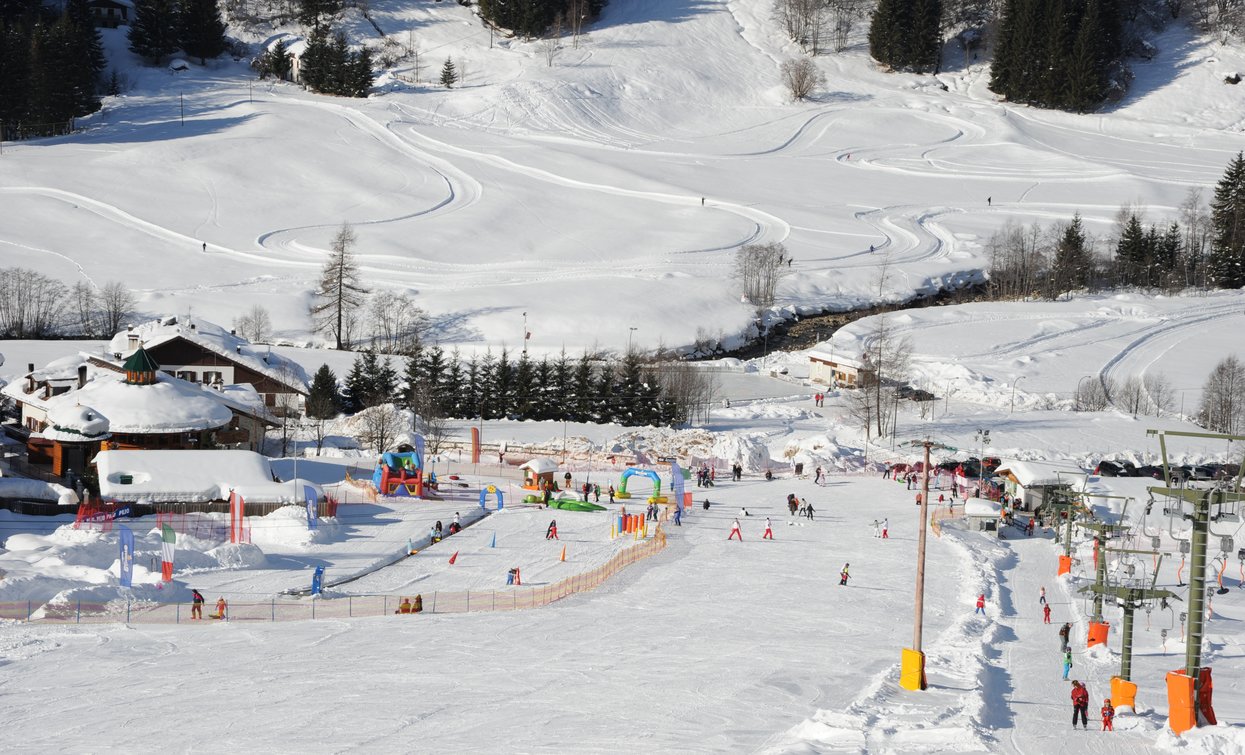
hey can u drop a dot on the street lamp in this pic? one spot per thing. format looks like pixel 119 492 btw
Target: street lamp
pixel 631 331
pixel 1017 380
pixel 1078 391
pixel 983 440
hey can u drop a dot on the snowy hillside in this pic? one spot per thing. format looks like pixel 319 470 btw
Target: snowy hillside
pixel 573 192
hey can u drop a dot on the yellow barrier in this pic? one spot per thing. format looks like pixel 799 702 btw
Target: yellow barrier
pixel 912 669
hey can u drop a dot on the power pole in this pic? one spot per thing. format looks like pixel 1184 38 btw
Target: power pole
pixel 912 667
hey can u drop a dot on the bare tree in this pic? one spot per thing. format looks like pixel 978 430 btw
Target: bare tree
pixel 549 48
pixel 1223 397
pixel 1130 396
pixel 85 314
pixel 116 303
pixel 255 326
pixel 1093 395
pixel 888 355
pixel 437 432
pixel 340 292
pixel 759 268
pixel 31 304
pixel 381 426
pixel 844 14
pixel 397 324
pixel 1160 392
pixel 690 388
pixel 801 77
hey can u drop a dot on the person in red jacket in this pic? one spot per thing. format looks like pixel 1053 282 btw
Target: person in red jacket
pixel 1108 715
pixel 769 531
pixel 735 532
pixel 1046 614
pixel 981 605
pixel 1080 704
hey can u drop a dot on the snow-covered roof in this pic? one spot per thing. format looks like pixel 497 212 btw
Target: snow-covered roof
pixel 216 339
pixel 37 490
pixel 169 405
pixel 75 423
pixel 1031 473
pixel 540 465
pixel 194 476
pixel 840 359
pixel 981 507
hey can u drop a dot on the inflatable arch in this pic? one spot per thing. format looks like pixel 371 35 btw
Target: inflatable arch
pixel 399 474
pixel 491 488
pixel 656 497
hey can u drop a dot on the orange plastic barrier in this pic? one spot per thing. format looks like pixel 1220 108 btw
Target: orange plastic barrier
pixel 1065 565
pixel 1097 633
pixel 1123 693
pixel 1204 690
pixel 1180 714
pixel 912 670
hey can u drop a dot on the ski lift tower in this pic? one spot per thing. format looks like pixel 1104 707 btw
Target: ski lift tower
pixel 1189 693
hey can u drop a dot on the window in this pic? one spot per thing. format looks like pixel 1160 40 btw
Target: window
pixel 212 377
pixel 187 375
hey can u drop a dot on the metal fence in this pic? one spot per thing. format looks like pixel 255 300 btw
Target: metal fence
pixel 471 601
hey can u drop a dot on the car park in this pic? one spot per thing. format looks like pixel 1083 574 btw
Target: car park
pixel 1109 468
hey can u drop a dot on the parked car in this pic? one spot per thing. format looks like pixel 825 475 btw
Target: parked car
pixel 1109 468
pixel 1228 472
pixel 1204 472
pixel 1179 474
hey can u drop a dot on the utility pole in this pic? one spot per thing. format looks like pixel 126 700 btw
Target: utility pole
pixel 1189 694
pixel 912 667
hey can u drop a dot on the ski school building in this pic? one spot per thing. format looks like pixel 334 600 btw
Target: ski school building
pixel 1030 483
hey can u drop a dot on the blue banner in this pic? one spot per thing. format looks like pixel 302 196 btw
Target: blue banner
pixel 127 556
pixel 676 484
pixel 310 494
pixel 419 452
pixel 317 580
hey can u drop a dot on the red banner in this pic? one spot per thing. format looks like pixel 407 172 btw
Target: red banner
pixel 237 518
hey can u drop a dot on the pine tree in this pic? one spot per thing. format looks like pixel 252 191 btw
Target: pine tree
pixel 313 67
pixel 631 389
pixel 338 64
pixel 355 390
pixel 607 406
pixel 503 385
pixel 202 32
pixel 434 370
pixel 449 75
pixel 153 35
pixel 887 29
pixel 385 383
pixel 1132 252
pixel 473 380
pixel 360 76
pixel 323 399
pixel 278 61
pixel 582 390
pixel 1071 267
pixel 413 381
pixel 340 291
pixel 486 386
pixel 543 384
pixel 86 60
pixel 1085 82
pixel 15 48
pixel 524 389
pixel 1226 266
pixel 924 36
pixel 452 389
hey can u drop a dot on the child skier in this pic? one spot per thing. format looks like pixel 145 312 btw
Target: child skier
pixel 1063 635
pixel 808 508
pixel 735 532
pixel 769 531
pixel 221 608
pixel 611 493
pixel 1067 666
pixel 886 523
pixel 1042 596
pixel 843 575
pixel 877 528
pixel 1046 614
pixel 981 605
pixel 1108 715
pixel 552 532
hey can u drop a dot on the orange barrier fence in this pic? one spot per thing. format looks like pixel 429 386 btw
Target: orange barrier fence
pixel 942 514
pixel 287 609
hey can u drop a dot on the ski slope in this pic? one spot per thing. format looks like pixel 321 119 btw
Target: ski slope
pixel 606 192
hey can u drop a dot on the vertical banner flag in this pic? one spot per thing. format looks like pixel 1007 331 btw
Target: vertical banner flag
pixel 475 445
pixel 127 556
pixel 317 580
pixel 419 451
pixel 676 484
pixel 169 537
pixel 310 494
pixel 237 517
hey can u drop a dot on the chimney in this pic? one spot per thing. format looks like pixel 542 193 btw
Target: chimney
pixel 133 340
pixel 81 375
pixel 192 326
pixel 233 331
pixel 30 378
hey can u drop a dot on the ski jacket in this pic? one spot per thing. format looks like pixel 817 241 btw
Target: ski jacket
pixel 1080 696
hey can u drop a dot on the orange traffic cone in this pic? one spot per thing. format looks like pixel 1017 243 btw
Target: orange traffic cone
pixel 563 558
pixel 454 557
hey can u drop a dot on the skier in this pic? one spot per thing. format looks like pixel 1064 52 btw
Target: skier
pixel 1080 704
pixel 744 512
pixel 1046 614
pixel 196 606
pixel 1042 596
pixel 552 532
pixel 611 493
pixel 886 529
pixel 1108 715
pixel 1067 666
pixel 705 505
pixel 433 535
pixel 808 509
pixel 678 516
pixel 221 608
pixel 1063 636
pixel 418 605
pixel 596 493
pixel 1029 529
pixel 404 606
pixel 457 520
pixel 981 605
pixel 769 531
pixel 735 532
pixel 989 200
pixel 877 528
pixel 843 575
pixel 817 479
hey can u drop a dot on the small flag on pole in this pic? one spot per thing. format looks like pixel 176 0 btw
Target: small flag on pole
pixel 454 557
pixel 493 544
